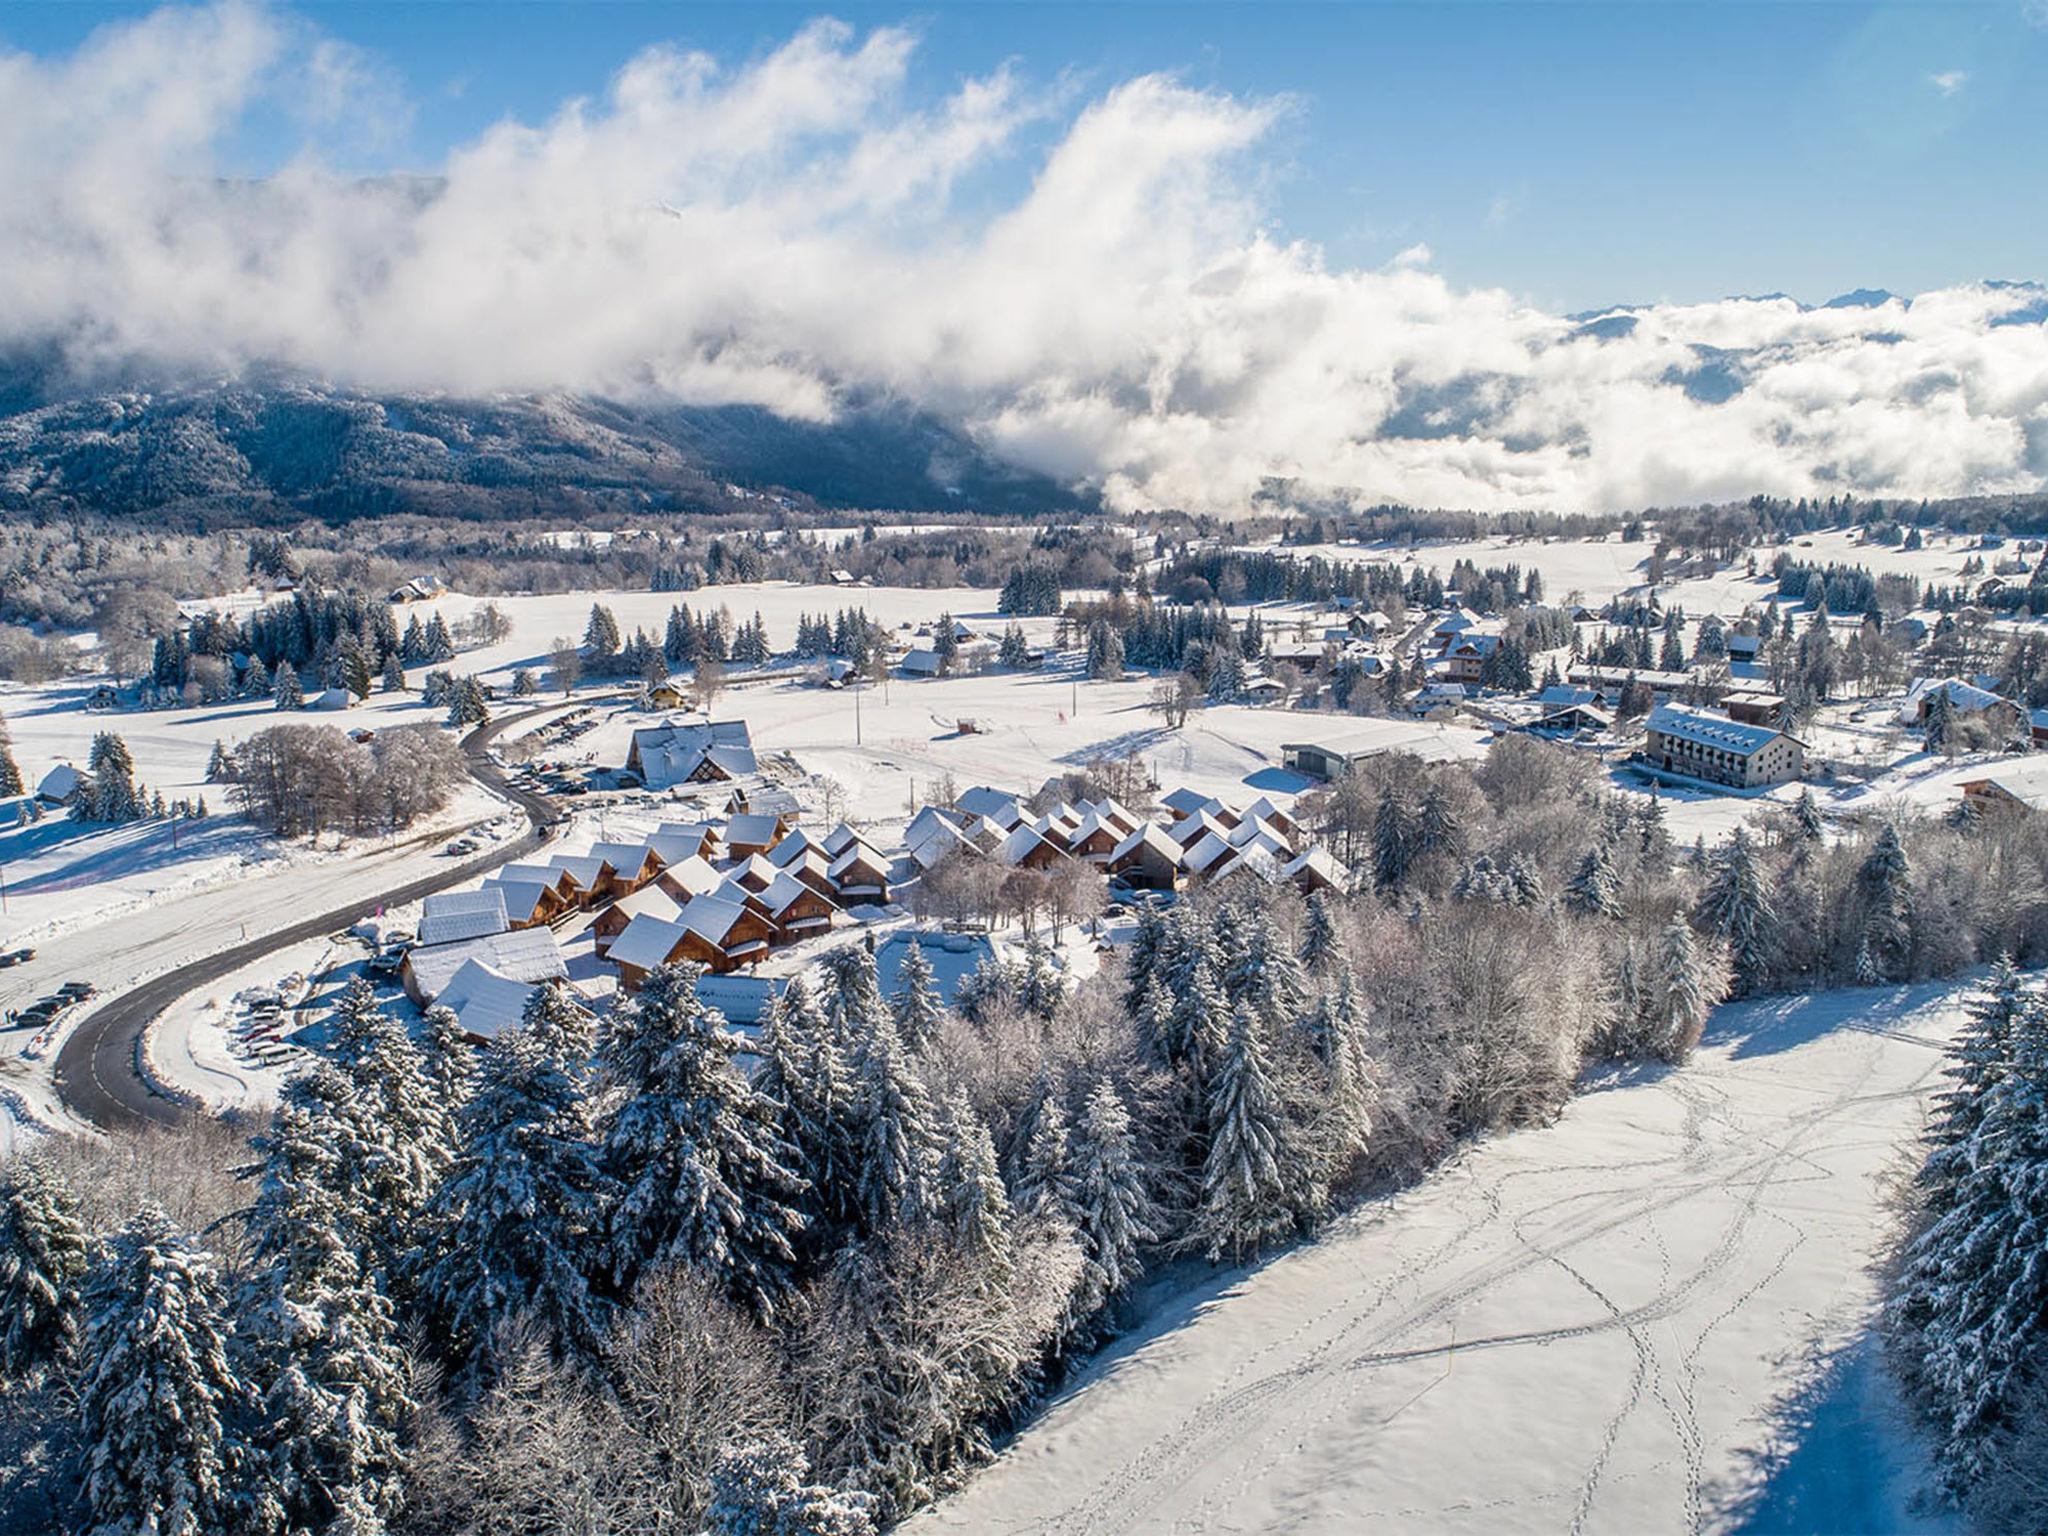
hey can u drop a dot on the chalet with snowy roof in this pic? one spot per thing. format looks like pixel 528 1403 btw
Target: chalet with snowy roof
pixel 591 876
pixel 753 833
pixel 634 865
pixel 1097 836
pixel 652 901
pixel 1745 647
pixel 765 800
pixel 1571 720
pixel 1000 806
pixel 938 841
pixel 63 784
pixel 1028 848
pixel 1720 750
pixel 1452 625
pixel 1754 706
pixel 691 752
pixel 1185 802
pixel 1465 657
pixel 2020 788
pixel 689 877
pixel 920 662
pixel 718 934
pixel 420 589
pixel 860 875
pixel 1147 860
pixel 486 1002
pixel 560 882
pixel 1315 869
pixel 794 909
pixel 794 845
pixel 1966 701
pixel 524 954
pixel 450 915
pixel 679 840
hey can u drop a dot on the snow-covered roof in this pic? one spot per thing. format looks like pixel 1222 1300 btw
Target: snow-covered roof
pixel 61 782
pixel 1021 844
pixel 856 855
pixel 1967 698
pixel 449 915
pixel 585 869
pixel 998 805
pixel 626 858
pixel 524 954
pixel 487 1002
pixel 646 942
pixel 1152 836
pixel 941 839
pixel 1716 731
pixel 752 830
pixel 649 900
pixel 522 898
pixel 792 847
pixel 712 917
pixel 695 876
pixel 1185 801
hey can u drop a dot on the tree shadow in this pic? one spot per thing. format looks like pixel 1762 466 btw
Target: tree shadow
pixel 1838 1452
pixel 1768 1025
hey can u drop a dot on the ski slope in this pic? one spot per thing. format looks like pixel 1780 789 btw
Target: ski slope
pixel 1609 1325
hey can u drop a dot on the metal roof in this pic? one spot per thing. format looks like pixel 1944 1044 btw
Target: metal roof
pixel 1716 731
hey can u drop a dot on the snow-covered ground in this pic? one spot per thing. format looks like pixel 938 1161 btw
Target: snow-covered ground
pixel 1645 1318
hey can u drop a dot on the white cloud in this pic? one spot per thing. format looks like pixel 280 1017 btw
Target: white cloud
pixel 1949 81
pixel 794 231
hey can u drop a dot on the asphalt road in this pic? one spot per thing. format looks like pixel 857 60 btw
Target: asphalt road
pixel 98 1076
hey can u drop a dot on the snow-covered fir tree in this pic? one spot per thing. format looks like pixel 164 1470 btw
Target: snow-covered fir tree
pixel 1594 889
pixel 286 692
pixel 319 1340
pixel 702 1171
pixel 1113 1213
pixel 1975 1297
pixel 1393 840
pixel 1887 937
pixel 1045 1185
pixel 10 771
pixel 895 1130
pixel 157 1396
pixel 448 1060
pixel 1318 935
pixel 1736 908
pixel 1041 989
pixel 1198 1021
pixel 918 1006
pixel 407 1108
pixel 110 794
pixel 520 1217
pixel 44 1256
pixel 971 1183
pixel 1437 825
pixel 760 1488
pixel 1257 1185
pixel 1691 979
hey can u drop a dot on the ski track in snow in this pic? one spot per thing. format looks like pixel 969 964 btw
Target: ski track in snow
pixel 1582 1328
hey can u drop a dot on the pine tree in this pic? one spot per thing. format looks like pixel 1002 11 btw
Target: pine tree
pixel 157 1395
pixel 1256 1185
pixel 805 1073
pixel 1318 935
pixel 1198 1024
pixel 1267 975
pixel 1806 816
pixel 601 636
pixel 285 690
pixel 1437 827
pixel 759 1489
pixel 407 1109
pixel 895 1130
pixel 1045 1185
pixel 1976 1286
pixel 1689 983
pixel 1888 930
pixel 1978 1054
pixel 521 1212
pixel 703 1174
pixel 10 771
pixel 112 795
pixel 918 1007
pixel 1736 907
pixel 1042 989
pixel 321 1338
pixel 971 1182
pixel 394 673
pixel 1595 889
pixel 43 1261
pixel 1113 1211
pixel 1393 841
pixel 448 1060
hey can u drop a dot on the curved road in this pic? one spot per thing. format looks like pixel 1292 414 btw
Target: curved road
pixel 98 1076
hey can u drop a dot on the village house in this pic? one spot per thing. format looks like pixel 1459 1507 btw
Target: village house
pixel 860 875
pixel 2018 789
pixel 691 752
pixel 1967 701
pixel 1754 706
pixel 653 901
pixel 752 833
pixel 1720 750
pixel 1147 860
pixel 718 934
pixel 524 954
pixel 450 915
pixel 633 865
pixel 486 1003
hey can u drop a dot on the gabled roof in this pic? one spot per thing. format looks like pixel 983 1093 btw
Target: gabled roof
pixel 1021 844
pixel 647 942
pixel 1185 801
pixel 941 839
pixel 585 869
pixel 784 892
pixel 675 847
pixel 856 854
pixel 754 829
pixel 522 898
pixel 625 858
pixel 524 954
pixel 487 1002
pixel 998 805
pixel 922 824
pixel 792 847
pixel 1711 730
pixel 712 917
pixel 1205 854
pixel 1320 861
pixel 649 900
pixel 1151 836
pixel 61 782
pixel 695 876
pixel 450 915
pixel 1192 829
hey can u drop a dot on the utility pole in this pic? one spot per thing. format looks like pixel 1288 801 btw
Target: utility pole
pixel 856 714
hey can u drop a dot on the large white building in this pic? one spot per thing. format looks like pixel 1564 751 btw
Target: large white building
pixel 1721 750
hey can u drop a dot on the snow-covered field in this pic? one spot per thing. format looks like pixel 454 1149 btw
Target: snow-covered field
pixel 1613 1324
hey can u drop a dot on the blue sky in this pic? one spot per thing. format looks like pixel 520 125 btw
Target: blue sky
pixel 1577 155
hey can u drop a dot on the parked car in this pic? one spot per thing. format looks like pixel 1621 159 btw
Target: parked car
pixel 77 991
pixel 17 957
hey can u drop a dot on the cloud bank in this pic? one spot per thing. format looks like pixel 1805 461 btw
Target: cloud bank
pixel 796 233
